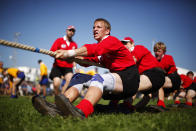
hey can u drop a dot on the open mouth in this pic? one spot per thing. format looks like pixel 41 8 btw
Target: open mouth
pixel 96 33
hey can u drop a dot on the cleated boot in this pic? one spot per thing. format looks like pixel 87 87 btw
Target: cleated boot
pixel 44 107
pixel 183 105
pixel 66 107
pixel 159 108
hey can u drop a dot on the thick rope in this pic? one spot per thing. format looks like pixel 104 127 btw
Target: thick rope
pixel 44 51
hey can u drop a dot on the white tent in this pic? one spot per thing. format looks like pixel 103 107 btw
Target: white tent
pixel 184 71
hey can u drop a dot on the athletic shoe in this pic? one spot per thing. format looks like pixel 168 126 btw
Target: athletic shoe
pixel 173 105
pixel 159 108
pixel 99 108
pixel 113 104
pixel 143 102
pixel 183 105
pixel 13 96
pixel 126 108
pixel 44 107
pixel 67 109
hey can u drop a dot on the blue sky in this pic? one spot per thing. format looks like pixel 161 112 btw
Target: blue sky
pixel 40 22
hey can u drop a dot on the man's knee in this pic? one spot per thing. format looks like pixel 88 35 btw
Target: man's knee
pixel 56 82
pixel 97 81
pixel 68 76
pixel 190 94
pixel 168 83
pixel 182 94
pixel 145 83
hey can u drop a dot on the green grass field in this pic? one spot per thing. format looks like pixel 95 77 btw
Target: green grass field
pixel 19 115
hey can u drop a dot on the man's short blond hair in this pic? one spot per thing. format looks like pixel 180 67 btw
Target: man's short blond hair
pixel 106 23
pixel 160 45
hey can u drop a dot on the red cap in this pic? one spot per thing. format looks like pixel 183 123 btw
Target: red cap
pixel 71 27
pixel 128 39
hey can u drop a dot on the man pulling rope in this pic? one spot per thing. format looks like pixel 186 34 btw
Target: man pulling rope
pixel 44 51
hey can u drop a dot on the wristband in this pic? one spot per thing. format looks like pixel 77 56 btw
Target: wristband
pixel 71 53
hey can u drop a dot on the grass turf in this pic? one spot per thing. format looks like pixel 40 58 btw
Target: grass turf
pixel 19 115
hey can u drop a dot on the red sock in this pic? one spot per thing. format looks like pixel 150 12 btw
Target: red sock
pixel 176 102
pixel 189 103
pixel 86 107
pixel 161 103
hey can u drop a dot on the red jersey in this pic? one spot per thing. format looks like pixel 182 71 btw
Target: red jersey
pixel 114 55
pixel 145 60
pixel 186 81
pixel 61 43
pixel 167 63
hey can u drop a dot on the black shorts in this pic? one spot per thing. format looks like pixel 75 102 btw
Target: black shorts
pixel 176 81
pixel 191 87
pixel 59 71
pixel 157 78
pixel 130 79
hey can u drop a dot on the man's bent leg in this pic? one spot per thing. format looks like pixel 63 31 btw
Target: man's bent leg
pixel 85 107
pixel 93 95
pixel 72 94
pixel 68 77
pixel 56 83
pixel 44 90
pixel 161 94
pixel 189 97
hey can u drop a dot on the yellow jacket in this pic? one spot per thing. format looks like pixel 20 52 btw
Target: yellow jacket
pixel 43 69
pixel 1 75
pixel 12 71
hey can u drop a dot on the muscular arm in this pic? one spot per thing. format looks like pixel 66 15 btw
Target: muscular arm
pixel 81 51
pixel 63 54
